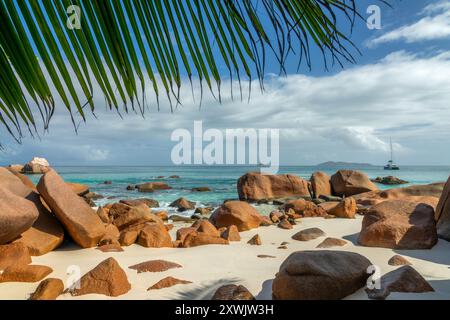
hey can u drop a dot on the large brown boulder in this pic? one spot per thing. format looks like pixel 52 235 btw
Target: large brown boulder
pixel 256 186
pixel 154 235
pixel 320 275
pixel 12 183
pixel 442 214
pixel 350 182
pixel 320 184
pixel 17 215
pixel 80 221
pixel 399 224
pixel 25 180
pixel 44 236
pixel 135 215
pixel 107 278
pixel 428 194
pixel 46 233
pixel 152 186
pixel 238 213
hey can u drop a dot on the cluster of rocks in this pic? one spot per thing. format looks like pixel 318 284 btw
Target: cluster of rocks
pixel 35 220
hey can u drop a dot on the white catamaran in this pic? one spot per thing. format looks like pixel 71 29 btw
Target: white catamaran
pixel 391 165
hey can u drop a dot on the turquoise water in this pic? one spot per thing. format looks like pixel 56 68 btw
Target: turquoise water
pixel 222 180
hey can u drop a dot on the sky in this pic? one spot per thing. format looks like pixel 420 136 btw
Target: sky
pixel 399 88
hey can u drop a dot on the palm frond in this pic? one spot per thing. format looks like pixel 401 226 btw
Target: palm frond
pixel 121 45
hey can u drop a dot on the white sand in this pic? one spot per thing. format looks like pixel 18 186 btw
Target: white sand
pixel 209 267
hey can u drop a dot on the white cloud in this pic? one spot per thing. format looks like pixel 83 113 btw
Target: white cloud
pixel 434 25
pixel 348 116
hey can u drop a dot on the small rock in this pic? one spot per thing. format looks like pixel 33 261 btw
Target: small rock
pixel 285 224
pixel 107 182
pixel 130 187
pixel 276 216
pixel 154 266
pixel 398 260
pixel 308 234
pixel 233 292
pixel 282 247
pixel 49 289
pixel 231 234
pixel 255 240
pixel 182 204
pixel 201 189
pixel 332 242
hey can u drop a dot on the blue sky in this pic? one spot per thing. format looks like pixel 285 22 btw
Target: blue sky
pixel 399 88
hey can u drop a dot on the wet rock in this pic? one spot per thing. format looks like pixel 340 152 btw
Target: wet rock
pixel 182 204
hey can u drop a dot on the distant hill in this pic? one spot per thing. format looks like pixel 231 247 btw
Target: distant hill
pixel 340 164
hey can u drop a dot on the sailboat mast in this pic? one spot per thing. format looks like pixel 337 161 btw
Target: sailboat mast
pixel 392 158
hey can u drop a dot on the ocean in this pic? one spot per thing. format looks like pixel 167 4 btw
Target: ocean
pixel 220 179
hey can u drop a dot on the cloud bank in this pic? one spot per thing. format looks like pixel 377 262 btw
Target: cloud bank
pixel 348 116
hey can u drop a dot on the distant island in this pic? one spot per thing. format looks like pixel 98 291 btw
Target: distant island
pixel 335 164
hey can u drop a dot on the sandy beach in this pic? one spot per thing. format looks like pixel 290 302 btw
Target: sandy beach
pixel 211 266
